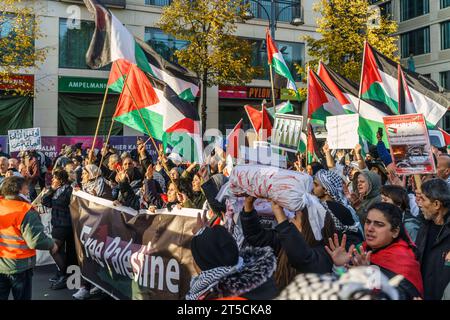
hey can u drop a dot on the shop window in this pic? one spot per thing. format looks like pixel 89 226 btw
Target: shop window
pixel 445 4
pixel 416 42
pixel 160 3
pixel 74 41
pixel 10 54
pixel 164 44
pixel 293 53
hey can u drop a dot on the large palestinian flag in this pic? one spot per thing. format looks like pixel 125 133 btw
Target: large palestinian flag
pixel 321 102
pixel 346 91
pixel 284 107
pixel 259 119
pixel 380 85
pixel 148 104
pixel 111 41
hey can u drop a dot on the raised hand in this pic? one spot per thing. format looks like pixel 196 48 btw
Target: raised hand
pixel 361 259
pixel 357 149
pixel 202 222
pixel 337 251
pixel 326 148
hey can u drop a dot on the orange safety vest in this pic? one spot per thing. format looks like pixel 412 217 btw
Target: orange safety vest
pixel 12 244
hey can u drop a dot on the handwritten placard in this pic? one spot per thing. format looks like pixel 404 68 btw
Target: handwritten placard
pixel 342 131
pixel 24 139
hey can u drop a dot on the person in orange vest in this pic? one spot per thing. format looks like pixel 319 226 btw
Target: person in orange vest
pixel 21 233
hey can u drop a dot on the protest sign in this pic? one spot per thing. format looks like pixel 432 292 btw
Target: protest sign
pixel 24 139
pixel 342 131
pixel 130 254
pixel 410 144
pixel 286 132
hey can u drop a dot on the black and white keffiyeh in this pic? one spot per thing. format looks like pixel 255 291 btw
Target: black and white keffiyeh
pixel 255 267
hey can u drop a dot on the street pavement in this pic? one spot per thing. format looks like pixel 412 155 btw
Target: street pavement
pixel 42 291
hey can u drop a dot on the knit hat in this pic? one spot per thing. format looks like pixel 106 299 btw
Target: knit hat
pixel 214 247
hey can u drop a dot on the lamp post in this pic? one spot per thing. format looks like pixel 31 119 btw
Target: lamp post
pixel 273 17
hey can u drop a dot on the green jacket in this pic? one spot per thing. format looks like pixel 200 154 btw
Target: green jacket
pixel 32 231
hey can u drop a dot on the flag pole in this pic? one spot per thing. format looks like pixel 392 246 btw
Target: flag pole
pixel 273 89
pixel 362 74
pixel 146 128
pixel 107 140
pixel 102 109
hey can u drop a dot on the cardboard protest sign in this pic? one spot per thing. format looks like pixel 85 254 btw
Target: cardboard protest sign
pixel 410 144
pixel 286 132
pixel 24 139
pixel 342 131
pixel 130 254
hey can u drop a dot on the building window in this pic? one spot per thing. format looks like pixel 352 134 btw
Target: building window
pixel 386 10
pixel 164 44
pixel 74 41
pixel 160 3
pixel 416 42
pixel 445 4
pixel 445 79
pixel 293 53
pixel 445 35
pixel 9 53
pixel 427 75
pixel 283 11
pixel 413 8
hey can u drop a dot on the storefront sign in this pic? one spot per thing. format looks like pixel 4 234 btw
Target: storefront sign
pixel 243 92
pixel 81 85
pixel 17 82
pixel 262 93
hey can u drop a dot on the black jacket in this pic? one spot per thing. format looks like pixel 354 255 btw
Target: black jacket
pixel 285 235
pixel 60 207
pixel 437 274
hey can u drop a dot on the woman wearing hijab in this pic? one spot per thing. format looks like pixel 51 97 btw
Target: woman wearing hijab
pixel 367 192
pixel 328 187
pixel 387 246
pixel 93 183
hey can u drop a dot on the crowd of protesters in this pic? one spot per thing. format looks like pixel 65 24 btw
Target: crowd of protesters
pixel 373 217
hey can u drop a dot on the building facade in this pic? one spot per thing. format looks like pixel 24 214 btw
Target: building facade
pixel 424 34
pixel 68 94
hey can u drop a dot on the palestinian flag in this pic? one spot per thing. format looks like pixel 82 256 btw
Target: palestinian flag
pixel 321 102
pixel 313 152
pixel 119 70
pixel 405 101
pixel 446 136
pixel 233 141
pixel 283 108
pixel 259 119
pixel 111 41
pixel 147 104
pixel 276 60
pixel 380 85
pixel 346 91
pixel 392 130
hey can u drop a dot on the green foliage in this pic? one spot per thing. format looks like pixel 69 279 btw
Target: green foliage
pixel 19 28
pixel 344 25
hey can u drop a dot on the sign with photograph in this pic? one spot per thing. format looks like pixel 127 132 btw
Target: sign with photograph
pixel 24 139
pixel 286 132
pixel 342 131
pixel 410 144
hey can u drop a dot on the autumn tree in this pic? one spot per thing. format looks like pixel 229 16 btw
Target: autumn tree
pixel 19 28
pixel 343 26
pixel 213 52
